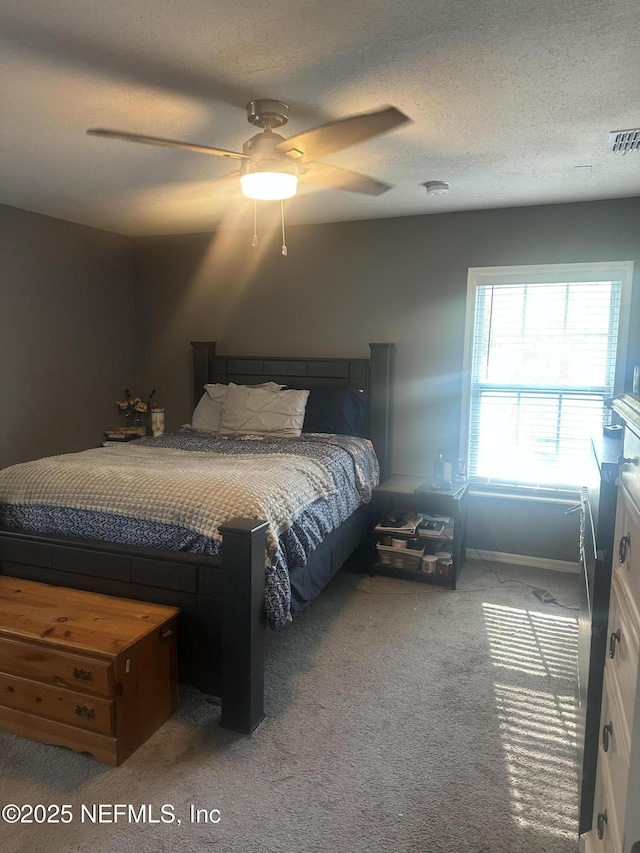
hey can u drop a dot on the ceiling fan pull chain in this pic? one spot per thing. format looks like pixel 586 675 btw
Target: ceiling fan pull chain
pixel 254 242
pixel 284 242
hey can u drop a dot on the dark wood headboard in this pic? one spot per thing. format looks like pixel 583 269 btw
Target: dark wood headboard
pixel 373 375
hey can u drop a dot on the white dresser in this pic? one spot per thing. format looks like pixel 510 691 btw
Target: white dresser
pixel 616 809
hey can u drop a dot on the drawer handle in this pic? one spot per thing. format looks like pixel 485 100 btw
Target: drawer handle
pixel 623 548
pixel 85 713
pixel 82 674
pixel 615 637
pixel 601 823
pixel 607 732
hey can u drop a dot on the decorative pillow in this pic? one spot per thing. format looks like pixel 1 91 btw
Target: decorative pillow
pixel 340 409
pixel 208 412
pixel 255 409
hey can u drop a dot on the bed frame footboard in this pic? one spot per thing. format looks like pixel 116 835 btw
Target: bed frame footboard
pixel 221 627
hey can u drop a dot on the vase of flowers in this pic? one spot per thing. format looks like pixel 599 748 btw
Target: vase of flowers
pixel 136 411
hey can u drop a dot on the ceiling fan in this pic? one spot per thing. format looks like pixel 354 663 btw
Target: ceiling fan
pixel 271 165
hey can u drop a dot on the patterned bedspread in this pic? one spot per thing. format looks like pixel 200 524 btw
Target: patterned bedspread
pixel 175 490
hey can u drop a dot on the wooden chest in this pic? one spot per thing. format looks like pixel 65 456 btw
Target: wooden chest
pixel 91 672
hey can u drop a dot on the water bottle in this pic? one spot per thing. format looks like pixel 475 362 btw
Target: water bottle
pixel 438 467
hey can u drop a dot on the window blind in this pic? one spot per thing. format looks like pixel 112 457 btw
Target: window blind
pixel 543 361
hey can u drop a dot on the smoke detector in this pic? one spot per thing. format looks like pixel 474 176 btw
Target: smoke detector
pixel 623 141
pixel 437 187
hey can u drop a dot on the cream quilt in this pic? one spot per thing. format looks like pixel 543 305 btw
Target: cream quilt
pixel 195 490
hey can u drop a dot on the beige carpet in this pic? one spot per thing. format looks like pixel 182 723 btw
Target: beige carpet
pixel 402 717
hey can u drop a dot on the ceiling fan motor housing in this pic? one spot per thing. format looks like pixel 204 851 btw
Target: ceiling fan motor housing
pixel 265 156
pixel 267 113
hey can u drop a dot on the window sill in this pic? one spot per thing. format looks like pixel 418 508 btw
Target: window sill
pixel 534 494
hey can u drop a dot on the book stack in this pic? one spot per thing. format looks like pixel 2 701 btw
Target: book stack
pixel 404 523
pixel 119 435
pixel 435 527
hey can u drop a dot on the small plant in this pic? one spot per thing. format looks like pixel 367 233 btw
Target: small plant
pixel 134 408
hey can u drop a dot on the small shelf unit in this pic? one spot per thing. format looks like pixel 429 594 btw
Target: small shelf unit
pixel 398 495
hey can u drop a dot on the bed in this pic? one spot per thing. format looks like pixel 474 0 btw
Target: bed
pixel 220 583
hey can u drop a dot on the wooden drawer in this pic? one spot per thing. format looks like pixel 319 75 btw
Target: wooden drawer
pixel 64 706
pixel 626 549
pixel 630 471
pixel 73 671
pixel 622 655
pixel 50 731
pixel 605 819
pixel 614 747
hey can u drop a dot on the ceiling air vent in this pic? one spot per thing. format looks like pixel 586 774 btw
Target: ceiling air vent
pixel 622 141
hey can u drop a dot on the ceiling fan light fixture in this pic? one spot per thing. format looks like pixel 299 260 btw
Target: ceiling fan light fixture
pixel 269 186
pixel 269 180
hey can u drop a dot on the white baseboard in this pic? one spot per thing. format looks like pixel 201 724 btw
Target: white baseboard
pixel 523 560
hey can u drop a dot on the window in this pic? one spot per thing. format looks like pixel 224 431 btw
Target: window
pixel 544 348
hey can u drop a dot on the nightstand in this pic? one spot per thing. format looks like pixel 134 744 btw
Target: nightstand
pixel 123 435
pixel 398 495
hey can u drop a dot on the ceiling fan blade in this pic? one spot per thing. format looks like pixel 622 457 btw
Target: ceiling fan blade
pixel 336 135
pixel 342 179
pixel 166 143
pixel 227 184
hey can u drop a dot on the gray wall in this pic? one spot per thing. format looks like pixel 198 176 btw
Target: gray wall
pixel 523 526
pixel 343 285
pixel 68 338
pixel 346 284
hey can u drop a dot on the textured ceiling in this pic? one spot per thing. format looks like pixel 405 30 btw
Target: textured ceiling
pixel 511 101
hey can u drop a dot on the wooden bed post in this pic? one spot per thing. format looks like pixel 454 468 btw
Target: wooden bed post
pixel 203 355
pixel 243 623
pixel 380 404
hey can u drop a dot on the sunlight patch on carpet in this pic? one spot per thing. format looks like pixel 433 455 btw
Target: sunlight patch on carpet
pixel 535 658
pixel 532 642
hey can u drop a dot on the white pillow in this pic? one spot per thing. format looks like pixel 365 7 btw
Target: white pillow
pixel 209 410
pixel 255 409
pixel 207 414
